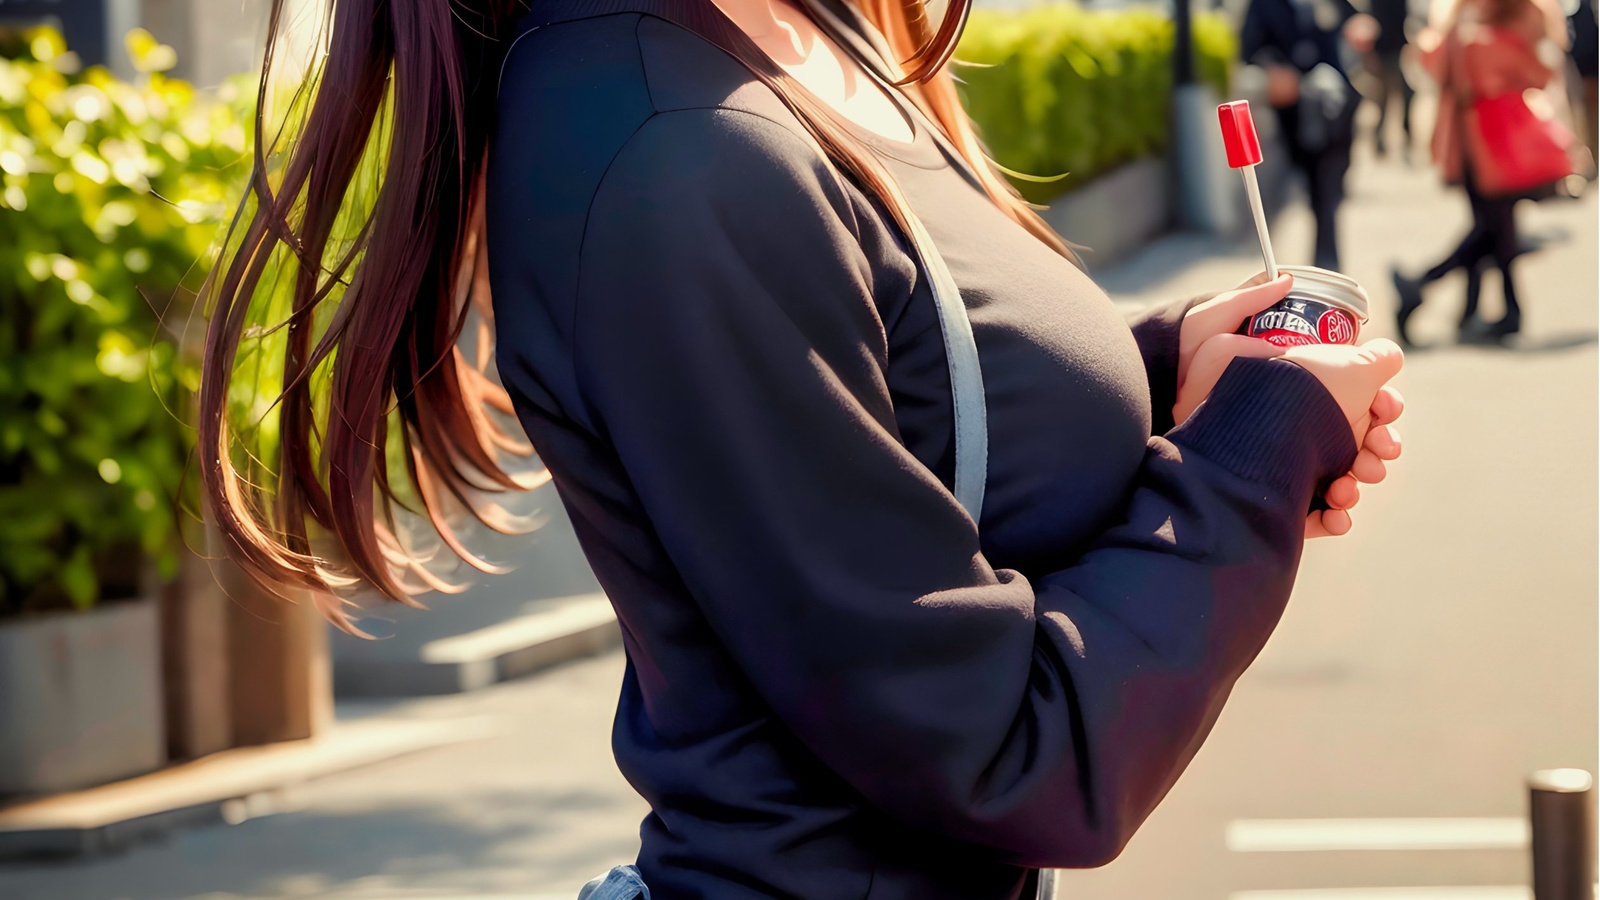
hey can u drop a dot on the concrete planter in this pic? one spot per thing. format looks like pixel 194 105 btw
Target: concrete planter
pixel 80 695
pixel 1117 213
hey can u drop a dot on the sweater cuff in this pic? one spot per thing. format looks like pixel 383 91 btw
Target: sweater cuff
pixel 1270 421
pixel 1157 331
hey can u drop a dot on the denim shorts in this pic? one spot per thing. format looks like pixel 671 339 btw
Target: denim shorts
pixel 621 883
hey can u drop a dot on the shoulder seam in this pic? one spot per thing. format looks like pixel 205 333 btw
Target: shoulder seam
pixel 588 217
pixel 600 183
pixel 583 241
pixel 839 180
pixel 644 71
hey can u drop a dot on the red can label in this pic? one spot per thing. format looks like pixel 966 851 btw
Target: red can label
pixel 1336 327
pixel 1297 321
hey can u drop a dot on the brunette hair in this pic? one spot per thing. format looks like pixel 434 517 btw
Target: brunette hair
pixel 1444 13
pixel 379 409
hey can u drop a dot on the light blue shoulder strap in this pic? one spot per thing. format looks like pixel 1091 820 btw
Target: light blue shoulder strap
pixel 966 376
pixel 960 349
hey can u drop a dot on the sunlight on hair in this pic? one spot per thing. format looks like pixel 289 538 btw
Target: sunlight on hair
pixel 352 431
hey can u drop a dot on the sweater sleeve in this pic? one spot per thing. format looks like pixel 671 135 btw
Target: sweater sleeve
pixel 730 353
pixel 1156 330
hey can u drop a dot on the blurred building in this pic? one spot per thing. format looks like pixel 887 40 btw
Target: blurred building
pixel 214 38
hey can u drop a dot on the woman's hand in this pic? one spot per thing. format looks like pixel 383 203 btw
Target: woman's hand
pixel 1356 377
pixel 1382 443
pixel 1353 375
pixel 1221 315
pixel 1283 86
pixel 1208 364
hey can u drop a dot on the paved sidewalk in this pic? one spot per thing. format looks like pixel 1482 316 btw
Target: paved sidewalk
pixel 1426 664
pixel 535 809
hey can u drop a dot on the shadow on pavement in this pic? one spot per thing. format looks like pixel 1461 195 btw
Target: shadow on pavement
pixel 1550 344
pixel 477 844
pixel 1555 342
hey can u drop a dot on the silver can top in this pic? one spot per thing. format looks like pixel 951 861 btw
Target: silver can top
pixel 1330 287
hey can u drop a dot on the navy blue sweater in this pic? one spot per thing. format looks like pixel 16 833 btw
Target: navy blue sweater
pixel 838 685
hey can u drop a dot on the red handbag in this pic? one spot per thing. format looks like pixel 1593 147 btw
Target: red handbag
pixel 1511 149
pixel 1514 151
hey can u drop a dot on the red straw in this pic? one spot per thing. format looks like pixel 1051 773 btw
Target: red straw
pixel 1244 153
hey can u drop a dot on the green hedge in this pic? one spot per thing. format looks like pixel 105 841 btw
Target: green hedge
pixel 110 198
pixel 1060 90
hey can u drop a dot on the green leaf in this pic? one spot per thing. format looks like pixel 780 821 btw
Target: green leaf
pixel 78 580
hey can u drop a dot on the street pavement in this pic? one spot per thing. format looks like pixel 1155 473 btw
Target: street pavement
pixel 1427 663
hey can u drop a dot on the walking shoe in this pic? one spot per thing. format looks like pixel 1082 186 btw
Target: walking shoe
pixel 1410 293
pixel 1477 331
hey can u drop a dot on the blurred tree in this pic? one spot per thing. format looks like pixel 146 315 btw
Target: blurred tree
pixel 111 195
pixel 1060 90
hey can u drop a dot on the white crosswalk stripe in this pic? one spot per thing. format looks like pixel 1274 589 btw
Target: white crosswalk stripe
pixel 1306 835
pixel 1392 893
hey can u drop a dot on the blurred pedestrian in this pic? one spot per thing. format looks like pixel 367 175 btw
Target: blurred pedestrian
pixel 1485 55
pixel 1391 84
pixel 1302 45
pixel 731 244
pixel 1585 43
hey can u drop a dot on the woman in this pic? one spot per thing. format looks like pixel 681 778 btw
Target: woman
pixel 712 327
pixel 1481 48
pixel 1301 45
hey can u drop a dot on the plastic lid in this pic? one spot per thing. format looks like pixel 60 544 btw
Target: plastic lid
pixel 1239 134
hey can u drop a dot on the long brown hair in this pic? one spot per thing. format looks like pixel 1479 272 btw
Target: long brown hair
pixel 379 411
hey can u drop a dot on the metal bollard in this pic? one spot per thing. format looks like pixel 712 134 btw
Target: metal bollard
pixel 1562 814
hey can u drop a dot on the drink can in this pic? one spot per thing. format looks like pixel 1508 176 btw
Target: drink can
pixel 1323 307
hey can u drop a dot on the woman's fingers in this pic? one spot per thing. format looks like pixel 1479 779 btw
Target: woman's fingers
pixel 1337 522
pixel 1386 357
pixel 1223 314
pixel 1328 523
pixel 1368 468
pixel 1252 297
pixel 1260 277
pixel 1387 405
pixel 1383 441
pixel 1343 493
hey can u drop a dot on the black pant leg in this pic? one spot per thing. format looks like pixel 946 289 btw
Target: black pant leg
pixel 1325 178
pixel 1407 94
pixel 1495 218
pixel 1467 254
pixel 1392 85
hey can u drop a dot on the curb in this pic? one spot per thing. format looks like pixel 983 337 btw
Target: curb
pixel 567 628
pixel 229 786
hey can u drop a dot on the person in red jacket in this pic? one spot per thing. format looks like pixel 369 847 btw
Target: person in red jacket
pixel 1481 48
